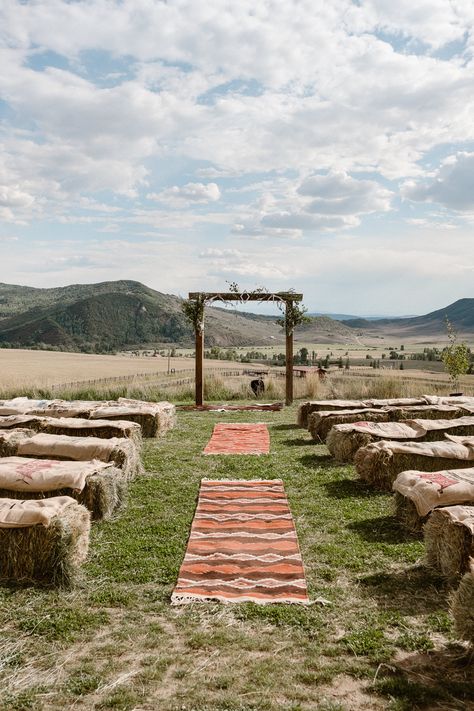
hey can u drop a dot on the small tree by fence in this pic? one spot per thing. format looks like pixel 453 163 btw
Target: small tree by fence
pixel 455 356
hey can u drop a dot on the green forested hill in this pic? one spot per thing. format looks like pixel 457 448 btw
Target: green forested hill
pixel 114 315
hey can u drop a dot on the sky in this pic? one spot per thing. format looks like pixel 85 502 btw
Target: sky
pixel 325 146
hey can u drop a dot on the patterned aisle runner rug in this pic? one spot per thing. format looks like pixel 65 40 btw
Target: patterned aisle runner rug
pixel 237 438
pixel 242 547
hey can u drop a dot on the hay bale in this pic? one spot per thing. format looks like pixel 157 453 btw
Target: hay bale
pixel 11 422
pixel 321 422
pixel 436 429
pixel 307 408
pixel 379 463
pixel 418 493
pixel 347 440
pixel 122 452
pixel 165 412
pixel 426 412
pixel 448 535
pixel 343 444
pixel 100 487
pixel 154 418
pixel 10 439
pixel 76 427
pixel 407 514
pixel 46 554
pixel 462 606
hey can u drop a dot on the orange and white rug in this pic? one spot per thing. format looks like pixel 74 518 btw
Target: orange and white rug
pixel 238 438
pixel 242 547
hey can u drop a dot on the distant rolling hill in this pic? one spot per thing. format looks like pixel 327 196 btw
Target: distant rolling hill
pixel 119 315
pixel 433 324
pixel 116 315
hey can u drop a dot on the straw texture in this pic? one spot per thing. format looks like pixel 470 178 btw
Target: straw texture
pixel 46 555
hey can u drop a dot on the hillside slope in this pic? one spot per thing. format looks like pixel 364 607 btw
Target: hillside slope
pixel 460 314
pixel 122 314
pixel 113 315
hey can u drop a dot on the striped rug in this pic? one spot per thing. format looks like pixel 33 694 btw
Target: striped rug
pixel 243 546
pixel 238 438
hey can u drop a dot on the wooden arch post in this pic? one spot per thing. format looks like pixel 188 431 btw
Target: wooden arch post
pixel 283 297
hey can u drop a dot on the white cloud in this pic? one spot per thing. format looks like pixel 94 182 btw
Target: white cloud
pixel 299 111
pixel 452 184
pixel 340 194
pixel 190 194
pixel 302 221
pixel 219 253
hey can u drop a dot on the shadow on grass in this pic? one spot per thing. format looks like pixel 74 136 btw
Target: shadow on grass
pixel 320 461
pixel 422 679
pixel 300 442
pixel 385 529
pixel 412 591
pixel 286 427
pixel 348 488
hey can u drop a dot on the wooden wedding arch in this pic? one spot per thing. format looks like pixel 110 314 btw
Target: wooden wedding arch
pixel 285 299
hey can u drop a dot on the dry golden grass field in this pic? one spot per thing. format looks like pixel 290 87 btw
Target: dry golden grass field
pixel 42 369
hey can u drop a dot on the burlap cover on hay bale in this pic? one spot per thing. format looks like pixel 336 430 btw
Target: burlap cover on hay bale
pixel 78 427
pixel 465 404
pixel 462 606
pixel 321 422
pixel 344 440
pixel 48 552
pixel 448 535
pixel 306 408
pixel 122 452
pixel 418 493
pixel 425 412
pixel 99 486
pixel 379 463
pixel 154 418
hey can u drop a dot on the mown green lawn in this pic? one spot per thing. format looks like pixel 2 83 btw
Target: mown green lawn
pixel 378 636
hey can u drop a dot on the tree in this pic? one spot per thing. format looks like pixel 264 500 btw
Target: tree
pixel 455 356
pixel 304 355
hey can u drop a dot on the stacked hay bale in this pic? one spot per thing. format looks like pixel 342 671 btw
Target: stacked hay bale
pixel 122 452
pixel 306 408
pixel 43 541
pixel 344 440
pixel 418 493
pixel 449 539
pixel 462 606
pixel 155 418
pixel 78 427
pixel 465 405
pixel 379 463
pixel 74 426
pixel 99 486
pixel 321 422
pixel 48 455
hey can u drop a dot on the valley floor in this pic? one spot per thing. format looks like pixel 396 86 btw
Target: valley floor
pixel 378 636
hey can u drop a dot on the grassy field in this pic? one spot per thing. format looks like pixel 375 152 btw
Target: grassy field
pixel 377 636
pixel 21 368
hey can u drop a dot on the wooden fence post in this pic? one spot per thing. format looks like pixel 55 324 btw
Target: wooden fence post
pixel 199 366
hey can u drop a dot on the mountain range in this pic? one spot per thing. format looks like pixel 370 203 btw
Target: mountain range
pixel 117 315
